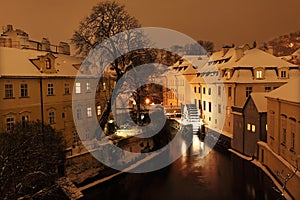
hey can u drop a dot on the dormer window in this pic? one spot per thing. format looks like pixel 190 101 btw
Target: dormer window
pixel 228 75
pixel 48 63
pixel 259 74
pixel 283 74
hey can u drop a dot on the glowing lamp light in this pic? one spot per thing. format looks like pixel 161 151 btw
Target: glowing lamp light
pixel 147 100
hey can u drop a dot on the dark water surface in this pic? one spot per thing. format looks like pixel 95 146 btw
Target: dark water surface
pixel 219 175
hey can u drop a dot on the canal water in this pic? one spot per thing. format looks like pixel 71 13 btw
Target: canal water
pixel 219 175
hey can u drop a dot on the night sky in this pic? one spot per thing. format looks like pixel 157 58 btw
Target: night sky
pixel 221 21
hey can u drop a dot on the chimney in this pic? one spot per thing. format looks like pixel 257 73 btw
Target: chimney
pixel 64 48
pixel 239 52
pixel 45 44
pixel 270 50
pixel 9 28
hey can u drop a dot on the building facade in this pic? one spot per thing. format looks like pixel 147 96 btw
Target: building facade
pixel 38 84
pixel 281 153
pixel 250 124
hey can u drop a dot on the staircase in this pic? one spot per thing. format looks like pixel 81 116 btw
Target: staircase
pixel 191 116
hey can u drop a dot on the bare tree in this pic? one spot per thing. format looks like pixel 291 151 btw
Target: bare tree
pixel 287 177
pixel 107 20
pixel 31 159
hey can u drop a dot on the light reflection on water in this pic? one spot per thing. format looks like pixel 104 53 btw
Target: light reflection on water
pixel 219 175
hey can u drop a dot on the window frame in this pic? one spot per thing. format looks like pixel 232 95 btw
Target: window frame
pixel 8 91
pixel 50 89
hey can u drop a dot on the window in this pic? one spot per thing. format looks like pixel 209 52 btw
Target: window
pixel 48 63
pixel 88 87
pixel 89 112
pixel 98 110
pixel 209 91
pixel 258 74
pixel 24 121
pixel 78 114
pixel 10 121
pixel 24 90
pixel 248 91
pixel 283 74
pixel 219 108
pixel 51 117
pixel 50 89
pixel 293 131
pixel 248 127
pixel 195 89
pixel 63 115
pixel 209 106
pixel 253 128
pixel 203 90
pixel 9 93
pixel 77 88
pixel 67 88
pixel 199 90
pixel 199 103
pixel 228 75
pixel 268 89
pixel 292 141
pixel 229 91
pixel 283 129
pixel 219 90
pixel 271 124
pixel 204 105
pixel 228 110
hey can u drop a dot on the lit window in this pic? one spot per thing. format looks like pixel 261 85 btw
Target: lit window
pixel 88 87
pixel 89 112
pixel 253 128
pixel 258 74
pixel 10 121
pixel 248 127
pixel 67 88
pixel 98 110
pixel 228 75
pixel 9 93
pixel 51 117
pixel 104 86
pixel 77 88
pixel 50 89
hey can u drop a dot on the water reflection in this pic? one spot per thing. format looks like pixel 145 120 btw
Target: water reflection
pixel 219 175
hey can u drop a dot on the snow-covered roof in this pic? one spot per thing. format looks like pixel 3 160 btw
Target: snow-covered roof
pixel 17 62
pixel 288 92
pixel 260 101
pixel 258 58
